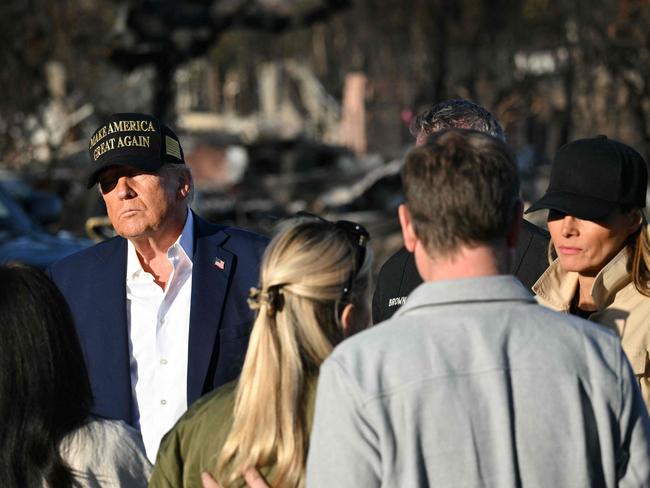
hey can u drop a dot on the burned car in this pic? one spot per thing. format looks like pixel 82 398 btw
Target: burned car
pixel 24 240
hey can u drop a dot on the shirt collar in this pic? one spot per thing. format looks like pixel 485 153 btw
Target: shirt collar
pixel 186 239
pixel 184 242
pixel 481 289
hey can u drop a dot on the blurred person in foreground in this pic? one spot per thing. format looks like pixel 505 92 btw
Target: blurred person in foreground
pixel 596 200
pixel 48 437
pixel 161 308
pixel 398 275
pixel 314 291
pixel 472 383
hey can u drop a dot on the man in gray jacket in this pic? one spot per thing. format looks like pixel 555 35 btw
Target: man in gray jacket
pixel 471 383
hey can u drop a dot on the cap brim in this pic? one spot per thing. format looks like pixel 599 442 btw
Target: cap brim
pixel 144 164
pixel 582 207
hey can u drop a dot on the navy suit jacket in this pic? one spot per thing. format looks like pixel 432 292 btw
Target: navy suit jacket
pixel 93 282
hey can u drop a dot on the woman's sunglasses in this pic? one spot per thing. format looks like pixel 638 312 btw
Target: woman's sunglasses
pixel 358 237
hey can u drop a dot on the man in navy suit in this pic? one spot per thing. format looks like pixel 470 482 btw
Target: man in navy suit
pixel 161 309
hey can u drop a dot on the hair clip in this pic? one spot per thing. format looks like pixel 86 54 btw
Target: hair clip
pixel 272 299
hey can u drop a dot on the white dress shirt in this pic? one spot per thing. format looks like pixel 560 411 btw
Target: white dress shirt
pixel 159 323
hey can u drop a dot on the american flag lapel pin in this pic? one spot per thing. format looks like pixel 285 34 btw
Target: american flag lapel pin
pixel 219 263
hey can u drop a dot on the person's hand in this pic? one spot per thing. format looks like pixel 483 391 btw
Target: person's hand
pixel 252 477
pixel 208 481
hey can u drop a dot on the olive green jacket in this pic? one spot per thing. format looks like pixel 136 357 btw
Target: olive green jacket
pixel 620 307
pixel 195 442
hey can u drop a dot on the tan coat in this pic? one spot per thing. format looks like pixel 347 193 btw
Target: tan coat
pixel 620 307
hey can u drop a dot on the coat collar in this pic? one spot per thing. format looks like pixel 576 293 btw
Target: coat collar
pixel 212 267
pixel 107 338
pixel 558 287
pixel 482 289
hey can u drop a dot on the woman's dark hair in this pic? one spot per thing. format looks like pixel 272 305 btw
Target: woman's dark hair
pixel 44 389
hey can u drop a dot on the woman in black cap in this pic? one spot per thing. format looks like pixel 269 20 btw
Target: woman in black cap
pixel 596 199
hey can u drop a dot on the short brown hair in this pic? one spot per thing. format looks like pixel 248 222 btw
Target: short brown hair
pixel 461 187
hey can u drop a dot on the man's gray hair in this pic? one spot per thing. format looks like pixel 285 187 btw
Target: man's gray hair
pixel 178 171
pixel 456 114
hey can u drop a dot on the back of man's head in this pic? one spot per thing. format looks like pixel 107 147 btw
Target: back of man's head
pixel 462 188
pixel 455 114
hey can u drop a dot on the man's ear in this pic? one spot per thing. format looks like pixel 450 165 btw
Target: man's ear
pixel 185 185
pixel 408 232
pixel 184 190
pixel 515 225
pixel 346 319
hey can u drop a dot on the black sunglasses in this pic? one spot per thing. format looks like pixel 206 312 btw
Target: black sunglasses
pixel 107 180
pixel 357 236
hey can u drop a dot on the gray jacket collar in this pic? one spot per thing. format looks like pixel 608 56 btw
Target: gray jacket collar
pixel 497 288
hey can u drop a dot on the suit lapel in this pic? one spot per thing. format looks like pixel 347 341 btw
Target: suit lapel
pixel 211 269
pixel 110 352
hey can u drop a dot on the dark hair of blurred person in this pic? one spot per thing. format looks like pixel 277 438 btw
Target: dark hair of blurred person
pixel 45 394
pixel 44 388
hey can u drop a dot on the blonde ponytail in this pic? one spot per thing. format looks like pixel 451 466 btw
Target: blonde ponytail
pixel 303 274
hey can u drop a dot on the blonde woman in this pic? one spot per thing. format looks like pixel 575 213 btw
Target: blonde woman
pixel 314 291
pixel 596 199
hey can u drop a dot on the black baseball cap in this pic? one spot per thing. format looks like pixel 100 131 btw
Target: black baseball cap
pixel 132 139
pixel 592 178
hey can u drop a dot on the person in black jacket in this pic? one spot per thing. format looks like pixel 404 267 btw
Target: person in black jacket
pixel 398 276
